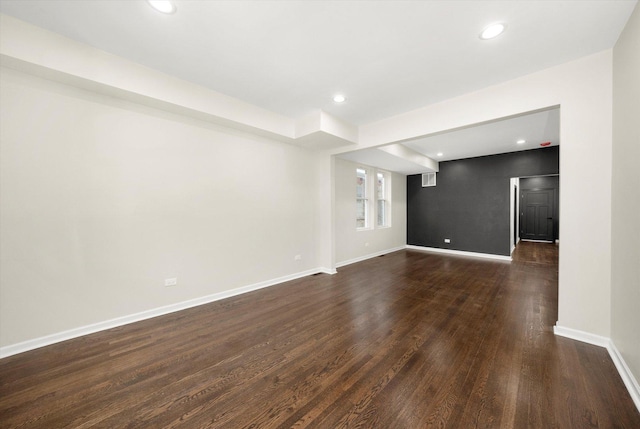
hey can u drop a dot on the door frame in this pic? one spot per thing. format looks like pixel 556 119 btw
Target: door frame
pixel 514 217
pixel 514 209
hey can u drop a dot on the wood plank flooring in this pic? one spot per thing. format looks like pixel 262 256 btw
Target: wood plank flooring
pixel 408 340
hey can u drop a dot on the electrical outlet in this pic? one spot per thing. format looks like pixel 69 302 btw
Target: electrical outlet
pixel 447 240
pixel 297 257
pixel 171 282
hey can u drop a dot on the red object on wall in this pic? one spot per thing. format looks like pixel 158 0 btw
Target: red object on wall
pixel 545 144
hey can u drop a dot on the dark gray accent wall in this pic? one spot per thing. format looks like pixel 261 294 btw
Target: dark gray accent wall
pixel 470 203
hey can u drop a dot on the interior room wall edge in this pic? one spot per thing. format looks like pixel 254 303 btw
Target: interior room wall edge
pixel 625 253
pixel 630 381
pixel 57 337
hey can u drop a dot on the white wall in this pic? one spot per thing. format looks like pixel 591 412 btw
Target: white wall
pixel 625 252
pixel 102 199
pixel 352 244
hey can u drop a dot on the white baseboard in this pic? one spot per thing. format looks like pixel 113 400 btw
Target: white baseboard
pixel 148 314
pixel 585 337
pixel 460 253
pixel 627 376
pixel 629 380
pixel 369 256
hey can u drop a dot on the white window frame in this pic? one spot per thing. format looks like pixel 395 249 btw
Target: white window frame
pixel 363 214
pixel 384 197
pixel 368 199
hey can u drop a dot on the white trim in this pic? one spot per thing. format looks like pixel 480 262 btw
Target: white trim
pixel 628 379
pixel 585 337
pixel 460 253
pixel 625 373
pixel 35 343
pixel 369 256
pixel 538 241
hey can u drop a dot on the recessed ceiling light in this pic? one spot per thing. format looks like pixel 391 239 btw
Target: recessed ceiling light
pixel 339 98
pixel 521 141
pixel 439 154
pixel 492 31
pixel 164 6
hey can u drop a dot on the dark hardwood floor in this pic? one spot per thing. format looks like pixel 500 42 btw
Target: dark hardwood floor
pixel 408 340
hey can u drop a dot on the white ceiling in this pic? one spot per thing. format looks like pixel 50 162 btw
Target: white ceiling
pixel 480 140
pixel 387 57
pixel 493 137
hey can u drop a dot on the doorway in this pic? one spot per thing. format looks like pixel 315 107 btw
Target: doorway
pixel 539 217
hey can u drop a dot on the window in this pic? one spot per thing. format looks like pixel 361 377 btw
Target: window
pixel 383 191
pixel 362 203
pixel 377 214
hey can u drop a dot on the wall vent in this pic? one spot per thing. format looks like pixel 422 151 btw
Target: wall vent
pixel 428 179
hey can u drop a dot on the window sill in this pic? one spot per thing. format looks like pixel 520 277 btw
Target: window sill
pixel 373 228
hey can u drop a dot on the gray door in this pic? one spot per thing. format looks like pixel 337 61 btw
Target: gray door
pixel 537 215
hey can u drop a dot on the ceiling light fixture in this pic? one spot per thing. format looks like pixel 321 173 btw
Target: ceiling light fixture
pixel 494 30
pixel 521 141
pixel 339 98
pixel 164 6
pixel 439 154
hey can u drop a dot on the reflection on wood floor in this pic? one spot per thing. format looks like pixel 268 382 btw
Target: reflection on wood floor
pixel 408 340
pixel 539 253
